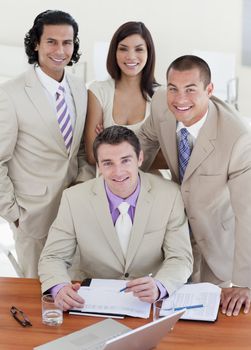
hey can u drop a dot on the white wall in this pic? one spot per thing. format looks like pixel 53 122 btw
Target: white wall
pixel 177 26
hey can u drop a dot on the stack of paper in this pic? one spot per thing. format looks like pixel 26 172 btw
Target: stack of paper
pixel 103 297
pixel 201 301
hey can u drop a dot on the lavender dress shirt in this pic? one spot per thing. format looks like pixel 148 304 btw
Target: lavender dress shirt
pixel 114 202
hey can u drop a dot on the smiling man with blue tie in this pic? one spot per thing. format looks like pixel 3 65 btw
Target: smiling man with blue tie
pixel 126 224
pixel 42 115
pixel 208 151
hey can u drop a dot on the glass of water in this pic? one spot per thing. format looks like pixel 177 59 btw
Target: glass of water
pixel 51 314
pixel 159 311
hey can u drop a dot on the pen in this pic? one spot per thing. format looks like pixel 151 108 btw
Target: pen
pixel 185 307
pixel 123 289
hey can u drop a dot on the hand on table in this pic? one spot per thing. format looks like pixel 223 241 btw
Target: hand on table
pixel 144 288
pixel 232 299
pixel 68 297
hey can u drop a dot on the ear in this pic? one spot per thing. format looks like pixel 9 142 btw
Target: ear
pixel 141 158
pixel 210 89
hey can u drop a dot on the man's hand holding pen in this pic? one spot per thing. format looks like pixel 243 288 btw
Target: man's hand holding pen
pixel 144 288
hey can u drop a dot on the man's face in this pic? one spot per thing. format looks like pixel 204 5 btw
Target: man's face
pixel 55 49
pixel 119 166
pixel 187 97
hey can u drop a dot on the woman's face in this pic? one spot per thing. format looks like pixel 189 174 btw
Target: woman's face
pixel 131 55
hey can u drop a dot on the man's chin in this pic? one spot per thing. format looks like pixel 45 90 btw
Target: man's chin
pixel 187 121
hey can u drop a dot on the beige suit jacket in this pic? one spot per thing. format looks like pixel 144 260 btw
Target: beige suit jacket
pixel 34 165
pixel 159 242
pixel 216 188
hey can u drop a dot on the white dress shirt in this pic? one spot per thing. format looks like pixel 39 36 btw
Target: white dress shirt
pixel 50 86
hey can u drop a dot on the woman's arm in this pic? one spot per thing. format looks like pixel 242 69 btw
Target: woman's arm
pixel 94 117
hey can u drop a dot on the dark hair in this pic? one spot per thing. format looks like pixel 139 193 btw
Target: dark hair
pixel 115 135
pixel 50 17
pixel 148 81
pixel 188 62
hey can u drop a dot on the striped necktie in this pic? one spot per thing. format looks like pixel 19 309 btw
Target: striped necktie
pixel 184 152
pixel 123 226
pixel 63 117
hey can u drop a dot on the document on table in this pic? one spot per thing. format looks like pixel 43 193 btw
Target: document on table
pixel 104 297
pixel 204 295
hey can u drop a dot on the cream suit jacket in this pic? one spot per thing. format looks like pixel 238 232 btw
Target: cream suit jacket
pixel 216 188
pixel 34 165
pixel 159 241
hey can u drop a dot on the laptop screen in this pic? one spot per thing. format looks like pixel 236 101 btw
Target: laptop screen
pixel 145 337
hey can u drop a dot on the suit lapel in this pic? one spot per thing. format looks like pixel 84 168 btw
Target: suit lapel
pixel 101 208
pixel 36 94
pixel 203 145
pixel 143 209
pixel 168 135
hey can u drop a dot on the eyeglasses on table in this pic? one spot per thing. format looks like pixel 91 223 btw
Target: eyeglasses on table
pixel 20 316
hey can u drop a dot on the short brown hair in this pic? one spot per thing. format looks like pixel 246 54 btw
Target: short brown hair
pixel 115 135
pixel 188 62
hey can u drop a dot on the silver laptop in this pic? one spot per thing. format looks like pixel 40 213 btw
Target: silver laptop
pixel 112 335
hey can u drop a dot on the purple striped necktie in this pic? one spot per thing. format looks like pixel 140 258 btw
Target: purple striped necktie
pixel 184 151
pixel 63 117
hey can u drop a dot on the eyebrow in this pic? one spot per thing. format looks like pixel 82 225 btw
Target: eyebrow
pixel 122 158
pixel 51 38
pixel 128 156
pixel 186 86
pixel 127 45
pixel 105 160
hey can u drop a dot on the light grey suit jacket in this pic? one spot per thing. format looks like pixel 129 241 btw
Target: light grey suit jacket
pixel 159 242
pixel 34 165
pixel 216 188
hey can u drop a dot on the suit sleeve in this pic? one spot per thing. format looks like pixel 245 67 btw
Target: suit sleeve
pixel 239 183
pixel 178 259
pixel 148 139
pixel 8 135
pixel 86 171
pixel 59 249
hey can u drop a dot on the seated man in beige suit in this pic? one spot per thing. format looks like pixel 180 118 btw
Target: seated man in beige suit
pixel 197 130
pixel 150 237
pixel 42 115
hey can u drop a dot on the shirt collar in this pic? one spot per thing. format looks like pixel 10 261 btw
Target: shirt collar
pixel 50 84
pixel 114 201
pixel 195 128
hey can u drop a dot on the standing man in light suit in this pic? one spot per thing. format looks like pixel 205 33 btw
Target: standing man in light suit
pixel 203 133
pixel 42 115
pixel 150 237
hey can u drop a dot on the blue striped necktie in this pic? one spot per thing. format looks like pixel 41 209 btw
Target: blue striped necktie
pixel 184 152
pixel 63 118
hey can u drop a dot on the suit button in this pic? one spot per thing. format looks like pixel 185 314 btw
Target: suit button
pixel 126 274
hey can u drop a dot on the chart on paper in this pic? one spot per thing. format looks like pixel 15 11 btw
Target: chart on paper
pixel 206 295
pixel 103 300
